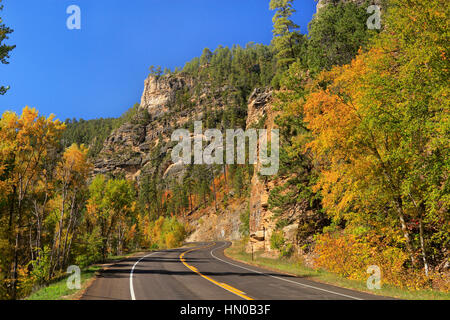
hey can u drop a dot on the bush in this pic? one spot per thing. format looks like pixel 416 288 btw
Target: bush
pixel 244 228
pixel 350 256
pixel 88 249
pixel 277 240
pixel 166 233
pixel 287 250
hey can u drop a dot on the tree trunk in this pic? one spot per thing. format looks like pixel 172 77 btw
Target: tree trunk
pixel 69 226
pixel 214 189
pixel 398 204
pixel 422 246
pixel 16 250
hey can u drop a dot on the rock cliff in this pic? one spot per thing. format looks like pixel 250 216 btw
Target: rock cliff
pixel 168 103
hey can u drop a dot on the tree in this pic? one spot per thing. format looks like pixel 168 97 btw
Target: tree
pixel 288 42
pixel 110 204
pixel 25 142
pixel 156 71
pixel 335 35
pixel 380 129
pixel 4 49
pixel 72 174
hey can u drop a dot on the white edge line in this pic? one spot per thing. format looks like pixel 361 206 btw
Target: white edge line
pixel 268 275
pixel 133 297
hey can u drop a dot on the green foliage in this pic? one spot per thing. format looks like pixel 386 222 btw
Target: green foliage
pixel 238 181
pixel 287 250
pixel 93 133
pixel 289 44
pixel 244 227
pixel 41 266
pixel 156 71
pixel 335 35
pixel 281 224
pixel 88 248
pixel 4 48
pixel 242 68
pixel 111 206
pixel 165 233
pixel 277 240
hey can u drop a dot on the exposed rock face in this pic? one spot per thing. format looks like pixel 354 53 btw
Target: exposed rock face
pixel 262 223
pixel 263 220
pixel 144 146
pixel 258 102
pixel 122 150
pixel 221 225
pixel 160 92
pixel 136 146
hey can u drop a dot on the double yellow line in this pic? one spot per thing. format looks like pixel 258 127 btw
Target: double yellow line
pixel 220 284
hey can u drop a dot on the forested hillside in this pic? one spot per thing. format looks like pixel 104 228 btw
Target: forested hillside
pixel 364 155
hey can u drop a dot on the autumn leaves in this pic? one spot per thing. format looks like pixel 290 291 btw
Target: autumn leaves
pixel 379 129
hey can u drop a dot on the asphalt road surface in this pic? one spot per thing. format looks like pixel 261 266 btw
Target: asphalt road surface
pixel 204 273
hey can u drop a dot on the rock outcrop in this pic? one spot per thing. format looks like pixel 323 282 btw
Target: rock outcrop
pixel 168 103
pixel 212 225
pixel 160 92
pixel 262 224
pixel 137 146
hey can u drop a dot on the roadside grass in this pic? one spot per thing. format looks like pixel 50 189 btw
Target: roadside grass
pixel 58 290
pixel 293 267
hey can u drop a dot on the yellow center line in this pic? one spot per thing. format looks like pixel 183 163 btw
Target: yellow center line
pixel 222 285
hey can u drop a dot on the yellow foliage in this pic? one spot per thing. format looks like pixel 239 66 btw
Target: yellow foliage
pixel 350 256
pixel 171 242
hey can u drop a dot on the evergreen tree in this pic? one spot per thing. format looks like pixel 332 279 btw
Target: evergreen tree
pixel 288 42
pixel 4 49
pixel 336 33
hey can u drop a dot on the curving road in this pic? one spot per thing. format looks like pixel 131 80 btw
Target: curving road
pixel 204 273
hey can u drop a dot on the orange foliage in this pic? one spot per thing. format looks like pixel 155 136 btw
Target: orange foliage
pixel 350 256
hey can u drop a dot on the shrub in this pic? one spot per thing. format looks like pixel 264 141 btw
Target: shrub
pixel 277 240
pixel 350 256
pixel 244 228
pixel 88 248
pixel 287 250
pixel 166 233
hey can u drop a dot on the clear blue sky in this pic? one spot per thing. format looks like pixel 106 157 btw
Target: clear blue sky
pixel 99 71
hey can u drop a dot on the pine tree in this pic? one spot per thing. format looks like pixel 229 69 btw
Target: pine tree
pixel 288 41
pixel 4 49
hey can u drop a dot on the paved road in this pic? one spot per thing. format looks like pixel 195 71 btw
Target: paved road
pixel 204 273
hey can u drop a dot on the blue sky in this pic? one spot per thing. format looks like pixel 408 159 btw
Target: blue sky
pixel 99 71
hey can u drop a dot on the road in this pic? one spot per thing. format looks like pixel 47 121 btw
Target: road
pixel 204 273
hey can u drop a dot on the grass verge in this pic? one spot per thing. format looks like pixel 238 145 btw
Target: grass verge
pixel 58 289
pixel 293 267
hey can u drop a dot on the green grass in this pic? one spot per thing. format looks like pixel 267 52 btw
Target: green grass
pixel 58 289
pixel 295 268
